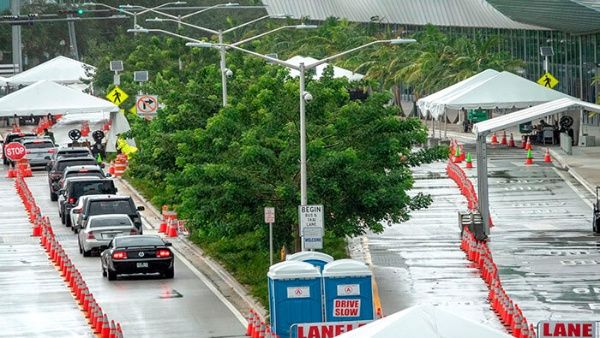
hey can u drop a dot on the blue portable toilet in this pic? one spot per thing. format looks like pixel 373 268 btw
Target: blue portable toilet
pixel 294 295
pixel 348 291
pixel 315 258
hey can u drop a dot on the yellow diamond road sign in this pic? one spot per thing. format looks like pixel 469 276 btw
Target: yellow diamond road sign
pixel 547 80
pixel 117 96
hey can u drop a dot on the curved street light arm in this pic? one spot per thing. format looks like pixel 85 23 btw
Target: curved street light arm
pixel 264 57
pixel 185 24
pixel 260 35
pixel 207 9
pixel 107 6
pixel 246 24
pixel 335 56
pixel 145 30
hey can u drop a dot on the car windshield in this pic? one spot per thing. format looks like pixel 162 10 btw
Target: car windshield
pixel 39 145
pixel 92 188
pixel 137 241
pixel 60 166
pixel 112 221
pixel 110 207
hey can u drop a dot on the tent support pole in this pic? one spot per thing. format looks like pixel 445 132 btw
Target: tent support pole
pixel 445 124
pixel 432 127
pixel 482 183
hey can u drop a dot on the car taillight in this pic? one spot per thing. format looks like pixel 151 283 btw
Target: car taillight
pixel 119 255
pixel 28 152
pixel 91 235
pixel 133 232
pixel 161 253
pixel 52 150
pixel 56 175
pixel 71 200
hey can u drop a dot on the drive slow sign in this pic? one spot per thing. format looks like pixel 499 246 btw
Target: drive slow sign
pixel 572 329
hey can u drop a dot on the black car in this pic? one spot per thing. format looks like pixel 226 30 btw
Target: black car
pixel 70 152
pixel 82 170
pixel 13 137
pixel 76 187
pixel 108 204
pixel 55 172
pixel 137 254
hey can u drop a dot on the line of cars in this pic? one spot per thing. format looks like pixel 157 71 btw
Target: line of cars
pixel 105 223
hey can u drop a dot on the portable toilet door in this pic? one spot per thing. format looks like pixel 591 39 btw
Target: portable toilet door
pixel 295 295
pixel 348 291
pixel 315 258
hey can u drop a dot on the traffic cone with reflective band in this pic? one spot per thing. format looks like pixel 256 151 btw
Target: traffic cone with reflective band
pixel 503 141
pixel 529 159
pixel 250 326
pixel 113 330
pixel 469 162
pixel 547 157
pixel 528 144
pixel 172 230
pixel 494 139
pixel 111 168
pixel 105 327
pixel 99 321
pixel 119 331
pixel 511 141
pixel 457 155
pixel 261 331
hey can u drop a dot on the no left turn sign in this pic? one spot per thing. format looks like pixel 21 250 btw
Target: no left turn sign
pixel 147 104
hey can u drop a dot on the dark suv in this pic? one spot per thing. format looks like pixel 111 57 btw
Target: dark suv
pixel 13 137
pixel 55 172
pixel 70 152
pixel 82 170
pixel 76 187
pixel 108 204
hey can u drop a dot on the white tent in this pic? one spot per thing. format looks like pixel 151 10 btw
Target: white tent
pixel 424 321
pixel 46 97
pixel 337 71
pixel 61 69
pixel 119 125
pixel 503 91
pixel 428 103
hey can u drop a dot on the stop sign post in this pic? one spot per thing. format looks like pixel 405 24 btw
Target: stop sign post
pixel 14 151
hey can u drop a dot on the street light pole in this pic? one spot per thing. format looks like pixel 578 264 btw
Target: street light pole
pixel 223 69
pixel 303 189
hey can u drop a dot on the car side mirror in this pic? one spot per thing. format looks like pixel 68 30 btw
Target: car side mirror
pixel 168 244
pixel 108 175
pixel 102 165
pixel 141 208
pixel 76 211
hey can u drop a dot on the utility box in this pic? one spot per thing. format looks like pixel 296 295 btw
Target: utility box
pixel 473 221
pixel 295 295
pixel 315 258
pixel 348 291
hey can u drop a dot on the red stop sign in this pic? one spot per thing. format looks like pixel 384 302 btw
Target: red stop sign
pixel 14 151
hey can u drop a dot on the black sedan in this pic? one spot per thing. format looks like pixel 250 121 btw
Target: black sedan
pixel 138 254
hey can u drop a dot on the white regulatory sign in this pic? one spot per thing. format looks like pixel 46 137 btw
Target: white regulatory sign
pixel 298 292
pixel 311 225
pixel 269 215
pixel 146 104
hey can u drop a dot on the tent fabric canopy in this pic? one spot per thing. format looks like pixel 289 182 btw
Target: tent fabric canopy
pixel 47 97
pixel 532 113
pixel 424 321
pixel 61 69
pixel 337 71
pixel 503 91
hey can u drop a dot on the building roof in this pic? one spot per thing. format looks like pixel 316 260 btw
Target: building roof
pixel 572 16
pixel 450 13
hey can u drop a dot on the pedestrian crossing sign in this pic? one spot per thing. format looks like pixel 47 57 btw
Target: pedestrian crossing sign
pixel 117 96
pixel 548 81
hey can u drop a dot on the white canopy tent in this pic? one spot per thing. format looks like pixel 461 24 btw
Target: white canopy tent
pixel 424 321
pixel 337 71
pixel 61 69
pixel 46 97
pixel 505 90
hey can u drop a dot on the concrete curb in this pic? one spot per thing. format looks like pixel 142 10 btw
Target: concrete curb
pixel 565 165
pixel 218 270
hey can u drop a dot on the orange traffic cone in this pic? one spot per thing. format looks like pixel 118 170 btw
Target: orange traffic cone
pixel 511 141
pixel 469 162
pixel 457 156
pixel 494 139
pixel 529 159
pixel 547 157
pixel 105 327
pixel 250 327
pixel 172 229
pixel 111 168
pixel 503 141
pixel 528 145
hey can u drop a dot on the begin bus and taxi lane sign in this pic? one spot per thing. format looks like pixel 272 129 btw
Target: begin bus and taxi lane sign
pixel 571 329
pixel 311 226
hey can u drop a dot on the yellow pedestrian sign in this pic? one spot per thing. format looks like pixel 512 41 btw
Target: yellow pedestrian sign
pixel 117 96
pixel 548 81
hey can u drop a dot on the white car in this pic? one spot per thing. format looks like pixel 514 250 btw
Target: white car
pixel 76 212
pixel 101 229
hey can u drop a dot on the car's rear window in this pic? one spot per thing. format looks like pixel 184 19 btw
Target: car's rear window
pixel 138 241
pixel 110 207
pixel 39 145
pixel 79 189
pixel 113 221
pixel 73 153
pixel 60 166
pixel 96 173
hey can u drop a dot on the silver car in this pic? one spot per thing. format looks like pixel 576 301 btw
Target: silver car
pixel 101 229
pixel 39 150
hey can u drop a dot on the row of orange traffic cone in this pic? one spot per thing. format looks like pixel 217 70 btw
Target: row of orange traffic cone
pixel 257 328
pixel 465 185
pixel 509 313
pixel 97 320
pixel 457 155
pixel 510 142
pixel 169 223
pixel 22 167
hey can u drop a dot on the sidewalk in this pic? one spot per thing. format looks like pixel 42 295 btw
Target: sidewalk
pixel 583 164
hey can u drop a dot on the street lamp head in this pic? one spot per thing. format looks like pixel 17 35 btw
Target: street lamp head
pixel 401 41
pixel 138 30
pixel 88 4
pixel 200 44
pixel 232 4
pixel 179 3
pixel 303 26
pixel 228 72
pixel 280 16
pixel 307 97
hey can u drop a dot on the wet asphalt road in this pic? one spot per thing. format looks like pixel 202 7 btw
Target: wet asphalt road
pixel 549 260
pixel 39 304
